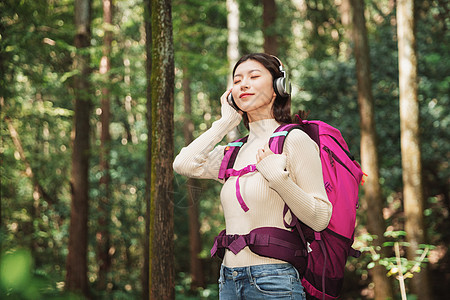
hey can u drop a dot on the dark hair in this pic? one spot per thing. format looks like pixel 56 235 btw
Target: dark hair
pixel 281 108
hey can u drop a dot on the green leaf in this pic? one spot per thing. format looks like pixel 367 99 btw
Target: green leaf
pixel 15 269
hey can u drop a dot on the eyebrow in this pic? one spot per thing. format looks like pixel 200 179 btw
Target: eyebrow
pixel 251 71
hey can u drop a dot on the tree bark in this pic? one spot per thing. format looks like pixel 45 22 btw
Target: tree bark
pixel 270 36
pixel 76 277
pixel 103 234
pixel 195 242
pixel 373 200
pixel 161 222
pixel 413 199
pixel 148 169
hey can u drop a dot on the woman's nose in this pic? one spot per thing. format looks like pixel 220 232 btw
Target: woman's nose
pixel 244 84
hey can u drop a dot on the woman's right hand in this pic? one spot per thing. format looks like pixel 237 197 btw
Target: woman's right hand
pixel 228 112
pixel 223 98
pixel 225 105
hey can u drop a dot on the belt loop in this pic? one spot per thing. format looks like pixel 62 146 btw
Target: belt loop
pixel 298 274
pixel 222 273
pixel 250 275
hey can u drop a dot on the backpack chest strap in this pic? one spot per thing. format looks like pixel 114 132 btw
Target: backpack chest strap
pixel 239 173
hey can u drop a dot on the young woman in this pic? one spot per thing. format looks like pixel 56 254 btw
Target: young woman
pixel 293 178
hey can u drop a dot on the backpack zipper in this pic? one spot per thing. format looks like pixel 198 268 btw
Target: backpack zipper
pixel 343 149
pixel 333 157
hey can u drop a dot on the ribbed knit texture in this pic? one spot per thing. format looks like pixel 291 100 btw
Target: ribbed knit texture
pixel 294 177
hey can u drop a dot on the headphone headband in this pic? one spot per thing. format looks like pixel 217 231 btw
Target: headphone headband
pixel 281 68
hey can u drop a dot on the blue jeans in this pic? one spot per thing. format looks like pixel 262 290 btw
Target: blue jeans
pixel 272 281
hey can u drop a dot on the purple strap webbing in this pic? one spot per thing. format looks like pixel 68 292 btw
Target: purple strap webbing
pixel 239 173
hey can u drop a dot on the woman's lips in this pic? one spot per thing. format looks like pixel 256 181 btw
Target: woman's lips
pixel 244 95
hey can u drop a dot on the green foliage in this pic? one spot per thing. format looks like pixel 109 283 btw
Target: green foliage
pixel 36 63
pixel 19 279
pixel 395 264
pixel 184 292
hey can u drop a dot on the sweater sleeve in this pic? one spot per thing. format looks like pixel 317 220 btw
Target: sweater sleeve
pixel 202 158
pixel 296 175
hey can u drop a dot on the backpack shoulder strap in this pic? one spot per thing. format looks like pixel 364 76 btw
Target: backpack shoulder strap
pixel 230 154
pixel 276 141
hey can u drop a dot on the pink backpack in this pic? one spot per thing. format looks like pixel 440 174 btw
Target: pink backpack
pixel 319 256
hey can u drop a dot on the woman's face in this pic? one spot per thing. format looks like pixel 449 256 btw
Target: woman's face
pixel 253 90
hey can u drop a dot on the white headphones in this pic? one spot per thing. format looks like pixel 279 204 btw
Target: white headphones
pixel 282 85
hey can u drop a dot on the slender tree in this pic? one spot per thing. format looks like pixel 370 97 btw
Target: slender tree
pixel 298 26
pixel 233 19
pixel 413 200
pixel 233 35
pixel 346 20
pixel 373 199
pixel 148 160
pixel 269 18
pixel 195 241
pixel 76 276
pixel 162 284
pixel 103 234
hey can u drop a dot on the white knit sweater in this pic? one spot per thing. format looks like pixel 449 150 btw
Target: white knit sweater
pixel 294 177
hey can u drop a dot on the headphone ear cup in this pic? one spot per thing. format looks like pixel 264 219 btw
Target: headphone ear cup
pixel 230 100
pixel 282 87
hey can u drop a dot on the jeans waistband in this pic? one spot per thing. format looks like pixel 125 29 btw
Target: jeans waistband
pixel 258 271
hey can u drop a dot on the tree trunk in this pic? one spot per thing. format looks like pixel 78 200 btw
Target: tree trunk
pixel 76 277
pixel 346 20
pixel 232 49
pixel 270 36
pixel 162 277
pixel 298 26
pixel 103 234
pixel 413 200
pixel 373 200
pixel 233 36
pixel 148 169
pixel 195 242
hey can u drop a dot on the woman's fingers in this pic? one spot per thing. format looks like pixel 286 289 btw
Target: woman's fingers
pixel 259 155
pixel 263 153
pixel 223 98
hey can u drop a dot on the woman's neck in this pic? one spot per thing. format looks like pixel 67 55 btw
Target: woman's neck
pixel 260 114
pixel 262 128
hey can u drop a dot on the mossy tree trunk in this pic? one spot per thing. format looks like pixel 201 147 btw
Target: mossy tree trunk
pixel 161 213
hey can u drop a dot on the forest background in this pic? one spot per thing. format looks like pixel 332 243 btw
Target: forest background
pixel 59 65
